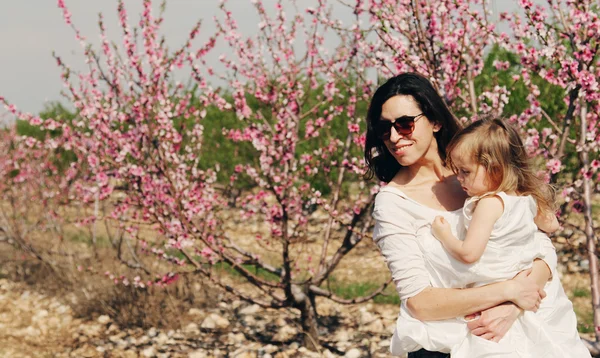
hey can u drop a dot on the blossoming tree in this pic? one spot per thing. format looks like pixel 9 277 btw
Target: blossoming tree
pixel 138 137
pixel 559 42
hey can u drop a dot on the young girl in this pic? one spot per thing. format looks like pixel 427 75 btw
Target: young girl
pixel 508 203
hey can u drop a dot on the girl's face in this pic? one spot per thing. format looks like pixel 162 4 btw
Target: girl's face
pixel 410 148
pixel 472 176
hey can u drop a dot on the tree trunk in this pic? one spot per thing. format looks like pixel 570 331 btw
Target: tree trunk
pixel 310 325
pixel 589 229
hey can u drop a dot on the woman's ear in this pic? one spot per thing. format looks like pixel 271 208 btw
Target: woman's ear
pixel 437 127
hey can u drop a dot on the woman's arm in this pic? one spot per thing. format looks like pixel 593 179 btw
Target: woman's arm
pixel 434 304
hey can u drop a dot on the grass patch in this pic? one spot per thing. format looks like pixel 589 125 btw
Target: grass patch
pixel 339 288
pixel 585 322
pixel 101 241
pixel 361 289
pixel 264 274
pixel 581 292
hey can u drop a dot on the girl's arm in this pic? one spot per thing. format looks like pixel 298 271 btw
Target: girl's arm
pixel 485 215
pixel 547 222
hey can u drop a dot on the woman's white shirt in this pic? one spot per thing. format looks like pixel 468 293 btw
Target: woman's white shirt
pixel 399 232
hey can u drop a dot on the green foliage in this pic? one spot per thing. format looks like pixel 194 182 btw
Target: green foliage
pixel 55 110
pixel 551 96
pixel 219 150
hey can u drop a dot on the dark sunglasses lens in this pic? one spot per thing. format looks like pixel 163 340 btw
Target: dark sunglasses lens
pixel 384 129
pixel 405 127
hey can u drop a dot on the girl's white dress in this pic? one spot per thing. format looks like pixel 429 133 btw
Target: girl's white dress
pixel 417 260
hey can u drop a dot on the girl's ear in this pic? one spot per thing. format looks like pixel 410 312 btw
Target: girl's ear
pixel 437 127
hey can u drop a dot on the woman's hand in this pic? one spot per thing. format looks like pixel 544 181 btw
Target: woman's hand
pixel 493 323
pixel 440 228
pixel 525 292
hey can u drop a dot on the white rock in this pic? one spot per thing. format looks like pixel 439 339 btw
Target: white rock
pixel 192 328
pixel 149 352
pixel 343 336
pixel 252 309
pixel 384 343
pixel 214 321
pixel 375 326
pixel 280 321
pixel 195 312
pixel 243 353
pixel 269 348
pixel 237 338
pixel 143 340
pixel 90 330
pixel 198 354
pixel 208 323
pixel 152 332
pixel 161 339
pixel 40 314
pixel 353 353
pixel 285 333
pixel 104 319
pixel 327 354
pixel 236 304
pixel 366 318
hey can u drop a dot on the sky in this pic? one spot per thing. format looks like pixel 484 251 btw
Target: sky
pixel 31 30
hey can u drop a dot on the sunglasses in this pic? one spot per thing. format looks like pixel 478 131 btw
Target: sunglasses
pixel 404 125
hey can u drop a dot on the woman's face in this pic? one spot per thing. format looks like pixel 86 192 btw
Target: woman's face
pixel 411 148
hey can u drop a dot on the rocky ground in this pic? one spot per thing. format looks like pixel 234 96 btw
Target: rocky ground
pixel 35 325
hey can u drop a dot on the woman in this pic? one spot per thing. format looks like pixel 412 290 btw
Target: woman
pixel 409 127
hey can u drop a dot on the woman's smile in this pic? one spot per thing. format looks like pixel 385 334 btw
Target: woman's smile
pixel 399 148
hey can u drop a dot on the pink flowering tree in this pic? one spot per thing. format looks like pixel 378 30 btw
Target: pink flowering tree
pixel 35 183
pixel 560 43
pixel 443 40
pixel 306 132
pixel 138 135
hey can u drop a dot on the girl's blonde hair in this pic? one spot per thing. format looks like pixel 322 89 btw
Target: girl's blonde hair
pixel 497 146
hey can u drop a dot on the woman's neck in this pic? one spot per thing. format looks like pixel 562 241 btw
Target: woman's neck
pixel 426 170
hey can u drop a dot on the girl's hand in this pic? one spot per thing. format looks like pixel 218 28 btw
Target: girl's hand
pixel 525 292
pixel 441 228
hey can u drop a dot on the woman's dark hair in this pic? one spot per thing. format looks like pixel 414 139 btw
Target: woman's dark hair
pixel 379 160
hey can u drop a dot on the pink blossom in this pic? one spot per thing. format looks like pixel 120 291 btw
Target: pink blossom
pixel 554 165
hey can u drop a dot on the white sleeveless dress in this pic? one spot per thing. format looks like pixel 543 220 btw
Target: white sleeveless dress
pixel 551 332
